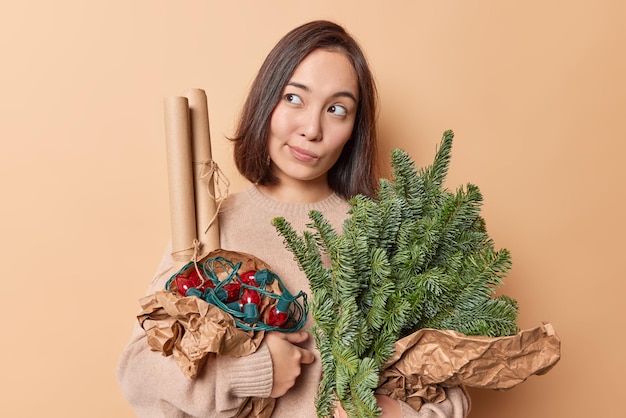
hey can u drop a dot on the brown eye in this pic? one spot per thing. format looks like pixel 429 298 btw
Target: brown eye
pixel 293 98
pixel 338 110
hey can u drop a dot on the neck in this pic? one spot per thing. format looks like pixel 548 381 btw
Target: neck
pixel 297 192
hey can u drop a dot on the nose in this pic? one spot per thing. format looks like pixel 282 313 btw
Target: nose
pixel 311 125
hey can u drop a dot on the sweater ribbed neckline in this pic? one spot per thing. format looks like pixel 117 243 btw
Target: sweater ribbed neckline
pixel 256 197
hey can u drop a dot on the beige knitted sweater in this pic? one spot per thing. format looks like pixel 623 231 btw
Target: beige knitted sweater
pixel 155 387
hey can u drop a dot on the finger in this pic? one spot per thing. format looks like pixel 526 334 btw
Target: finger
pixel 307 356
pixel 339 411
pixel 296 337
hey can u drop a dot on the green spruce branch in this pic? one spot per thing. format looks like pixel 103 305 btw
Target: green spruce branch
pixel 415 256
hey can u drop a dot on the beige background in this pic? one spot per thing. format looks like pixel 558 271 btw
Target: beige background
pixel 534 90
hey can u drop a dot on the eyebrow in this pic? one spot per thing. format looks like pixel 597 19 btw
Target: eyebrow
pixel 308 90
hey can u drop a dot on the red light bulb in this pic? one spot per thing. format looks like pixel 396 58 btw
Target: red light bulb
pixel 279 313
pixel 248 278
pixel 184 283
pixel 232 290
pixel 250 296
pixel 250 301
pixel 208 283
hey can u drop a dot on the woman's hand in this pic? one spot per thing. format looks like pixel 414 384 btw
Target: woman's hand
pixel 287 358
pixel 390 407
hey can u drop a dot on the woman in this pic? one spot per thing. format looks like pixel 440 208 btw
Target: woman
pixel 306 140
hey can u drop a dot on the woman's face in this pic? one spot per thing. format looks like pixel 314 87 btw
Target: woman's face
pixel 314 118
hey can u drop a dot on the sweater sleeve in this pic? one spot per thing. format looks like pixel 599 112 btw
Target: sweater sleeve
pixel 456 405
pixel 155 386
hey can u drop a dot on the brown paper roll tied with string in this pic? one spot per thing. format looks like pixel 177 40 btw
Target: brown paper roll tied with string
pixel 188 328
pixel 205 173
pixel 192 175
pixel 180 179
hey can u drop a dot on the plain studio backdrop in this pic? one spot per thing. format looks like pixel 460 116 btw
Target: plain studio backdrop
pixel 535 92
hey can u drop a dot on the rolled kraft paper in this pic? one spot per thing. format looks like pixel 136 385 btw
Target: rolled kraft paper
pixel 207 228
pixel 180 179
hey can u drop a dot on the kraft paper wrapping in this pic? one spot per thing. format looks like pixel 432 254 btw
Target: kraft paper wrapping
pixel 207 229
pixel 428 360
pixel 180 179
pixel 257 408
pixel 190 328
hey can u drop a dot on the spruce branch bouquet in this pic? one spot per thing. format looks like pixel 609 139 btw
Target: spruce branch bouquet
pixel 415 256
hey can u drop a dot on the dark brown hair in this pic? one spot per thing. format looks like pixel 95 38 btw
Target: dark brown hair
pixel 356 170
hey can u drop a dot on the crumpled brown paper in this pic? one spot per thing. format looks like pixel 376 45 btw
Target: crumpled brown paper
pixel 428 360
pixel 190 329
pixel 256 407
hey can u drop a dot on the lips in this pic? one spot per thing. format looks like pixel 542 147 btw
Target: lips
pixel 302 154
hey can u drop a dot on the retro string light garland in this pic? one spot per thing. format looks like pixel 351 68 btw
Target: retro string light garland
pixel 246 296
